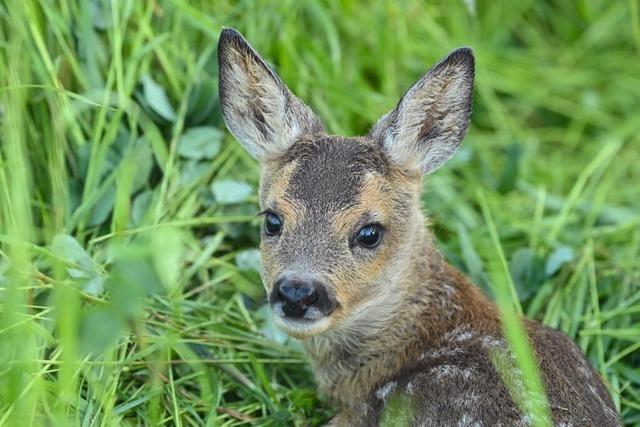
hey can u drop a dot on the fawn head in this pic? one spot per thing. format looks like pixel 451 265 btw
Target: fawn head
pixel 341 214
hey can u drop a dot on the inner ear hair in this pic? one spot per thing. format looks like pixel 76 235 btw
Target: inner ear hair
pixel 258 108
pixel 427 126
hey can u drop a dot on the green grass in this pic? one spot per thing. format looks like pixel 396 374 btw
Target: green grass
pixel 128 277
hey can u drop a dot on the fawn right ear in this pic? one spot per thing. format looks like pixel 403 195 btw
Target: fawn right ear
pixel 428 124
pixel 258 109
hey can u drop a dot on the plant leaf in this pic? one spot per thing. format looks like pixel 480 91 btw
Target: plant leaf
pixel 157 98
pixel 143 157
pixel 227 192
pixel 99 328
pixel 527 270
pixel 140 206
pixel 192 170
pixel 249 259
pixel 103 206
pixel 167 256
pixel 559 257
pixel 68 248
pixel 201 142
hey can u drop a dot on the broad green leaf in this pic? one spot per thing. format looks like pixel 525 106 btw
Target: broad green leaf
pixel 157 98
pixel 472 260
pixel 94 286
pixel 249 259
pixel 100 327
pixel 103 206
pixel 168 253
pixel 85 271
pixel 143 160
pixel 100 14
pixel 527 270
pixel 511 168
pixel 202 102
pixel 130 280
pixel 269 329
pixel 227 192
pixel 93 53
pixel 559 257
pixel 140 207
pixel 192 170
pixel 200 143
pixel 68 248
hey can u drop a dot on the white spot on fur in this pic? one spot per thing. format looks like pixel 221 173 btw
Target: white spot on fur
pixel 468 421
pixel 610 412
pixel 526 420
pixel 492 342
pixel 384 392
pixel 468 373
pixel 467 400
pixel 460 334
pixel 409 388
pixel 454 332
pixel 465 336
pixel 442 371
pixel 447 301
pixel 364 408
pixel 584 371
pixel 441 352
pixel 449 290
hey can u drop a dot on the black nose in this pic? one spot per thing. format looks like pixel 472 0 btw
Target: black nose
pixel 297 296
pixel 297 293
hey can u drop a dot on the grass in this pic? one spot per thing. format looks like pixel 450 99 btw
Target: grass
pixel 128 277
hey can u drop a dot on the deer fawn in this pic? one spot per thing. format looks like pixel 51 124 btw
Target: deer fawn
pixel 350 269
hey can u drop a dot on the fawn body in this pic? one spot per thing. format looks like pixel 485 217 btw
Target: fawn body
pixel 350 268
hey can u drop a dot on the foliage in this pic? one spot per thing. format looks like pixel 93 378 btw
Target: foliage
pixel 128 272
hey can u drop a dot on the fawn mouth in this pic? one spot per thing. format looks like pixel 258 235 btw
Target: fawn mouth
pixel 303 328
pixel 312 323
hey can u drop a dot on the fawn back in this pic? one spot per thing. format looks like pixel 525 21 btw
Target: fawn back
pixel 350 268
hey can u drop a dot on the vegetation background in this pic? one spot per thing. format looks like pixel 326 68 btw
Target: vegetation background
pixel 129 288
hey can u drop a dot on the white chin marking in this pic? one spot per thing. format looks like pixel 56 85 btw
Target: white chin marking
pixel 302 328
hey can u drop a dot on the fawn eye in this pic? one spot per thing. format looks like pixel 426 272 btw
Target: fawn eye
pixel 272 224
pixel 369 236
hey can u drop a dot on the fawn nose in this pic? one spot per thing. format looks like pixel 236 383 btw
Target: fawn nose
pixel 298 296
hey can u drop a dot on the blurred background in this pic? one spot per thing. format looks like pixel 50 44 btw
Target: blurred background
pixel 129 283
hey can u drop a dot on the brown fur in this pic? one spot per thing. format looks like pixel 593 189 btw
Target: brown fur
pixel 405 321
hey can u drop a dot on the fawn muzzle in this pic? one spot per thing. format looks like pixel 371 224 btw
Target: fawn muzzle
pixel 301 298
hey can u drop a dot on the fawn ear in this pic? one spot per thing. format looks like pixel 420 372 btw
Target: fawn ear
pixel 258 109
pixel 428 124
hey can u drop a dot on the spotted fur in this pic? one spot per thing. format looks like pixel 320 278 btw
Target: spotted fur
pixel 405 322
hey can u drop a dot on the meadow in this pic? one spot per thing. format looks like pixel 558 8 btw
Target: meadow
pixel 129 284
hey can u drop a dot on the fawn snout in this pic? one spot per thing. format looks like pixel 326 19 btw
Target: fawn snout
pixel 301 298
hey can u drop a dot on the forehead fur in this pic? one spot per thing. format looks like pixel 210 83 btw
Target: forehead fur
pixel 330 170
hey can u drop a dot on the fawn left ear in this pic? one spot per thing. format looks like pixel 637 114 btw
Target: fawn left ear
pixel 430 121
pixel 258 109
